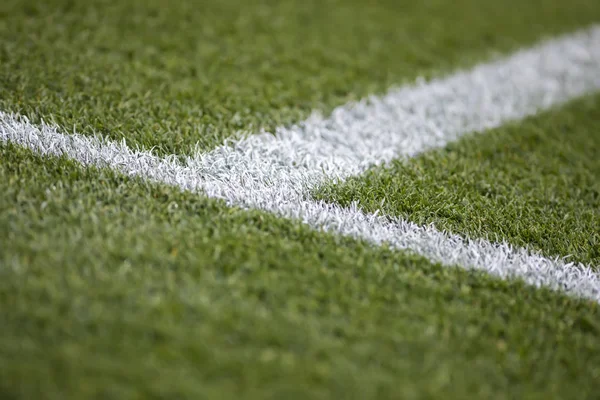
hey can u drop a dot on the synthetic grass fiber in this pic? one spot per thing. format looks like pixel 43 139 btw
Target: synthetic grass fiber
pixel 115 287
pixel 183 74
pixel 533 183
pixel 276 173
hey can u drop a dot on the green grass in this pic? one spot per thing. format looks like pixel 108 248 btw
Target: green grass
pixel 174 74
pixel 534 183
pixel 114 288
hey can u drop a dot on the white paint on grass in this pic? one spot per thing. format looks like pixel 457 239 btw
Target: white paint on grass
pixel 276 173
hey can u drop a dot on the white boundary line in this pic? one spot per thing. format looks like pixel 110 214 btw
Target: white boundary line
pixel 276 173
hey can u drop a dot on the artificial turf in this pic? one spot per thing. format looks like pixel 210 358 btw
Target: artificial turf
pixel 178 75
pixel 534 184
pixel 111 287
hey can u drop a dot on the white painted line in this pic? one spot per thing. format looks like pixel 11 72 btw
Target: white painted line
pixel 276 173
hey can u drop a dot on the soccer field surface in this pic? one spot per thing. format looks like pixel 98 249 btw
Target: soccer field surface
pixel 299 199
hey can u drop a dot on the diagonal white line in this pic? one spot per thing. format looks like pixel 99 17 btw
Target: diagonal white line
pixel 276 173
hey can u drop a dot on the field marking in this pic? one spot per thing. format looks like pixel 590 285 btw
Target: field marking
pixel 276 173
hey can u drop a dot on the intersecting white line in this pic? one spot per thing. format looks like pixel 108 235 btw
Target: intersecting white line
pixel 276 173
